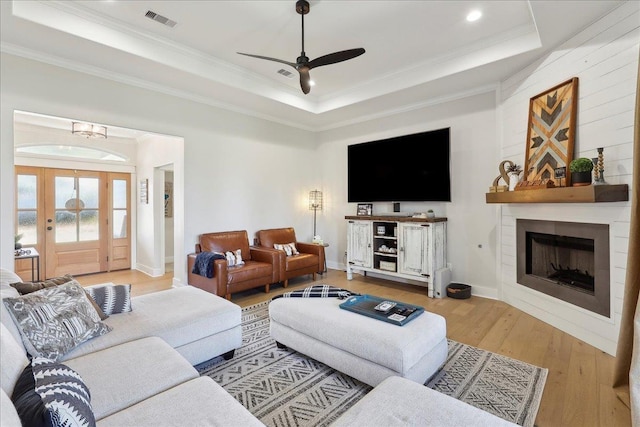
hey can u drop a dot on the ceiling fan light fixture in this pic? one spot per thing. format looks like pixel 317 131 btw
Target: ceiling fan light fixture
pixel 474 15
pixel 303 64
pixel 312 83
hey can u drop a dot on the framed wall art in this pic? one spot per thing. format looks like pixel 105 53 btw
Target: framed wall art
pixel 551 133
pixel 144 191
pixel 364 209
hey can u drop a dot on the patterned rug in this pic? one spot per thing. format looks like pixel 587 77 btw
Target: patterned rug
pixel 284 388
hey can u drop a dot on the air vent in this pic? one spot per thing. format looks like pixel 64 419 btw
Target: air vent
pixel 161 19
pixel 285 73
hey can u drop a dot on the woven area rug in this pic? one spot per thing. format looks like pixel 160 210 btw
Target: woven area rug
pixel 285 388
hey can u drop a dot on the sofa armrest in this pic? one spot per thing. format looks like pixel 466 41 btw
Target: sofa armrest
pixel 312 248
pixel 216 285
pixel 270 256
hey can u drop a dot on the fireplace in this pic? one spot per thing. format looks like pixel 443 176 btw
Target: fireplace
pixel 566 260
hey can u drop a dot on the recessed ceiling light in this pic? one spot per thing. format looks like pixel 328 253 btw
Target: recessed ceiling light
pixel 312 83
pixel 474 15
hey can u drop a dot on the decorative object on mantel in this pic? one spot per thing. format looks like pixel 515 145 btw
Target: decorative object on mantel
pixel 551 132
pixel 581 171
pixel 598 168
pixel 365 209
pixel 535 185
pixel 513 171
pixel 495 188
pixel 431 213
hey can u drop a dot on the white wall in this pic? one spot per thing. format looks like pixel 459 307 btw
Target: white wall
pixel 155 152
pixel 240 172
pixel 474 159
pixel 604 57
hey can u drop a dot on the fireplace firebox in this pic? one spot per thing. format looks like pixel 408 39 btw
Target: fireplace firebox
pixel 566 260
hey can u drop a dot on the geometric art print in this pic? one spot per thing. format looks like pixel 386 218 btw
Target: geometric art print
pixel 551 133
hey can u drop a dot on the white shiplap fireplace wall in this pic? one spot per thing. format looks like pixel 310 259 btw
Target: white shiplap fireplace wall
pixel 604 56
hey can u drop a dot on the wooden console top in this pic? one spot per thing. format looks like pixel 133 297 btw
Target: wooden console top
pixel 394 218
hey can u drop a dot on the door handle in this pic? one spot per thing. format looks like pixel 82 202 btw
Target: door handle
pixel 49 220
pixel 49 228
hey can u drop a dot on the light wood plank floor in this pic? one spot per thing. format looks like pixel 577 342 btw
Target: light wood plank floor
pixel 578 389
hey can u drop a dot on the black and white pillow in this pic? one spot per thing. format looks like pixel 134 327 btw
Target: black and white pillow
pixel 234 257
pixel 55 320
pixel 112 299
pixel 288 248
pixel 48 393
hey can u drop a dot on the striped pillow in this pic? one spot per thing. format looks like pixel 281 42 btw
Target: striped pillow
pixel 112 299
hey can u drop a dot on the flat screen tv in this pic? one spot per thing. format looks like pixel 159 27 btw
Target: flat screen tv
pixel 409 168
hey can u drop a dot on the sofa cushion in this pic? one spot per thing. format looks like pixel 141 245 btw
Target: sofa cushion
pixel 201 402
pixel 195 314
pixel 5 316
pixel 297 262
pixel 249 271
pixel 51 394
pixel 8 414
pixel 7 277
pixel 55 320
pixel 126 374
pixel 13 357
pixel 111 299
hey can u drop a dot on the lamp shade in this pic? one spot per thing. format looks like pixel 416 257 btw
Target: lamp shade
pixel 88 130
pixel 315 200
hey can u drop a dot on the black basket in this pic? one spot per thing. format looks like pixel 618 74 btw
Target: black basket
pixel 458 291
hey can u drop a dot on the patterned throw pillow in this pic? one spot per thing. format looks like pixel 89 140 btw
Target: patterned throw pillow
pixel 53 321
pixel 28 287
pixel 288 248
pixel 52 394
pixel 25 288
pixel 234 258
pixel 112 299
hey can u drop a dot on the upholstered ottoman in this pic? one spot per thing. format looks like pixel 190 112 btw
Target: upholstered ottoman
pixel 366 349
pixel 398 402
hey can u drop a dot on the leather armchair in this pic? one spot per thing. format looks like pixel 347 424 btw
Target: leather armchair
pixel 309 261
pixel 260 268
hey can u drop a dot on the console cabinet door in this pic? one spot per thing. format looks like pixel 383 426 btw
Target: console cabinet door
pixel 359 243
pixel 414 249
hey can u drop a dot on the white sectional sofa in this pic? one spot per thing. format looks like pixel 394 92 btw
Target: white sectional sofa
pixel 141 372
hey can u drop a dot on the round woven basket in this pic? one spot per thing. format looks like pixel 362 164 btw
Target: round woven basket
pixel 458 291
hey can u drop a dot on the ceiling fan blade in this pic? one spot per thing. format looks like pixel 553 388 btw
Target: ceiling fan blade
pixel 291 64
pixel 304 79
pixel 335 57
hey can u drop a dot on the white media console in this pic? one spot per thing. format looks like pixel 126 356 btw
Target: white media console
pixel 406 247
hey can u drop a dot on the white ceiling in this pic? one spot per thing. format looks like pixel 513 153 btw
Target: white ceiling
pixel 417 52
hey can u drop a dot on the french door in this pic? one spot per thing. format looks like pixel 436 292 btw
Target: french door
pixel 78 221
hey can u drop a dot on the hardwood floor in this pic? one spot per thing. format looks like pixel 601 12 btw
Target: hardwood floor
pixel 578 389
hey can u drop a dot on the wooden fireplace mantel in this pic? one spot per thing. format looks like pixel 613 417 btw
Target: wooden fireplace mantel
pixel 584 194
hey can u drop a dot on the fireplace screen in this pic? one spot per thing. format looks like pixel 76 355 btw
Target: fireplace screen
pixel 566 260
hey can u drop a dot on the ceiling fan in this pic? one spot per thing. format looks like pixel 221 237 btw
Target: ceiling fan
pixel 302 64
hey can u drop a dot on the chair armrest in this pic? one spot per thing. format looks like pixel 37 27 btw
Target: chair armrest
pixel 217 284
pixel 270 256
pixel 312 248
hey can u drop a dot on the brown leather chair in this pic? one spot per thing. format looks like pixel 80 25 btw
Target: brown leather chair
pixel 260 268
pixel 309 261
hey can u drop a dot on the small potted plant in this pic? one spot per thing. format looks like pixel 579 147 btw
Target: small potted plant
pixel 431 213
pixel 513 171
pixel 581 171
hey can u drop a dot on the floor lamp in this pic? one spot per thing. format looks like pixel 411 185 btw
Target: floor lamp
pixel 315 205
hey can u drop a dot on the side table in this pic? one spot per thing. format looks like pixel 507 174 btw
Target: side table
pixel 326 245
pixel 32 253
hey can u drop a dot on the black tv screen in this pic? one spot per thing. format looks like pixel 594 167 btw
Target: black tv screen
pixel 409 168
